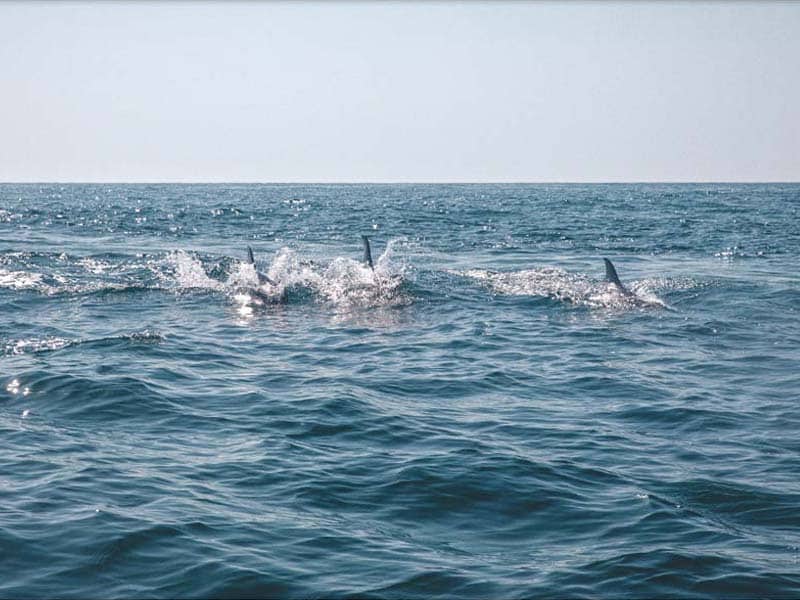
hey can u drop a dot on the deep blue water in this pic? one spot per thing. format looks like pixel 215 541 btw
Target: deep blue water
pixel 482 416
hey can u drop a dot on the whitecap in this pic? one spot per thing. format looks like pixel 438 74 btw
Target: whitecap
pixel 189 272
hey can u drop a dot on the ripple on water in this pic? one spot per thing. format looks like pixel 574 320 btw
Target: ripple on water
pixel 481 415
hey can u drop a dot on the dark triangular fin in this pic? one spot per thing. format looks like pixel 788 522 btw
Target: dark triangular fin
pixel 250 258
pixel 367 252
pixel 611 275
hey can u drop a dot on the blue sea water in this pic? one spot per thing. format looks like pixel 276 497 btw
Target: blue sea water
pixel 481 416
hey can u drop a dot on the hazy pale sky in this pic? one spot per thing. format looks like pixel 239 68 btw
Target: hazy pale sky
pixel 400 91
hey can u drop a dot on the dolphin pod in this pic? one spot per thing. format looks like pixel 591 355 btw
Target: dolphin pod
pixel 267 298
pixel 278 295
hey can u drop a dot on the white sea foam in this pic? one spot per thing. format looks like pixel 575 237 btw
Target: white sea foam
pixel 22 280
pixel 343 282
pixel 189 272
pixel 97 267
pixel 574 288
pixel 347 282
pixel 27 346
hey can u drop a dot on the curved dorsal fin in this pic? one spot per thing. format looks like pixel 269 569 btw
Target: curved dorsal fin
pixel 611 275
pixel 367 252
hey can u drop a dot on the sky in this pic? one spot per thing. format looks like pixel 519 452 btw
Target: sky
pixel 399 91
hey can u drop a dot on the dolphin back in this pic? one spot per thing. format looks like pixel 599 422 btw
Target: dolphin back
pixel 261 277
pixel 611 275
pixel 367 252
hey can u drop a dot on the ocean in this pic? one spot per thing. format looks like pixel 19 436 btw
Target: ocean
pixel 481 415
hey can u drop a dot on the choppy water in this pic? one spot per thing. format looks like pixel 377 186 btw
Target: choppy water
pixel 483 416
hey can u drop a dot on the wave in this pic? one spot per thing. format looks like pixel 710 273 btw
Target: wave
pixel 16 347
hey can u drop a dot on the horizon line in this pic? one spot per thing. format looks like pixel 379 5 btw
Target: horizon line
pixel 395 182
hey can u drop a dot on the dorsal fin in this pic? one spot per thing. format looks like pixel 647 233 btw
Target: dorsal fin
pixel 612 277
pixel 250 258
pixel 367 252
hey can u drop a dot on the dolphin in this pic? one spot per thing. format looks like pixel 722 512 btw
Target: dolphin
pixel 612 277
pixel 381 279
pixel 260 295
pixel 262 278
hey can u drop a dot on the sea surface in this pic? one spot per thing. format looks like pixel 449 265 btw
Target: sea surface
pixel 481 415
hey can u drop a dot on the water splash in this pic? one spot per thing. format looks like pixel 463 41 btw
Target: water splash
pixel 190 274
pixel 348 283
pixel 344 282
pixel 23 280
pixel 572 288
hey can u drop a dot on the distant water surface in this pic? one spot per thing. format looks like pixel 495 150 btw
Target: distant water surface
pixel 481 416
